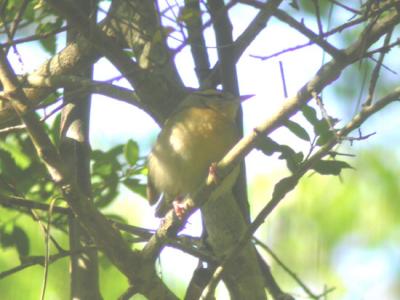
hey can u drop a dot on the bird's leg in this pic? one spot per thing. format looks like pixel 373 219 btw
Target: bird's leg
pixel 179 207
pixel 212 173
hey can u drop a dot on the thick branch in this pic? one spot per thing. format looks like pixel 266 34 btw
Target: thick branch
pixel 121 27
pixel 244 40
pixel 196 39
pixel 107 238
pixel 284 186
pixel 325 76
pixel 82 85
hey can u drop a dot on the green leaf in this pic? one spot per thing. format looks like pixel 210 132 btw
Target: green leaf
pixel 49 43
pixel 188 15
pixel 293 158
pixel 135 186
pixel 106 195
pixel 330 167
pixel 55 129
pixel 115 151
pixel 284 186
pixel 322 128
pixel 21 241
pixel 21 159
pixel 297 130
pixel 6 235
pixel 116 218
pixel 131 152
pixel 310 114
pixel 294 4
pixel 102 168
pixel 267 146
pixel 12 235
pixel 324 138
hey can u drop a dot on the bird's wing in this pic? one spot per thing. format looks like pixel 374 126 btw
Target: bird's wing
pixel 163 207
pixel 152 193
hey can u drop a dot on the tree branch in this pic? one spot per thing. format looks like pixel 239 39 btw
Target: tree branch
pixel 286 18
pixel 196 39
pixel 327 74
pixel 244 40
pixel 30 261
pixel 285 185
pixel 131 24
pixel 86 86
pixel 108 239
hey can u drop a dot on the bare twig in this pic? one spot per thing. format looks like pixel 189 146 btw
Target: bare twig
pixel 285 93
pixel 47 249
pixel 348 8
pixel 335 30
pixel 11 31
pixel 13 201
pixel 287 184
pixel 290 49
pixel 376 71
pixel 12 129
pixel 286 268
pixel 324 112
pixel 286 18
pixel 35 37
pixel 30 261
pixel 318 16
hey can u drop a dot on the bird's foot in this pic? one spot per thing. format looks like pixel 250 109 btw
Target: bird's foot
pixel 179 207
pixel 212 173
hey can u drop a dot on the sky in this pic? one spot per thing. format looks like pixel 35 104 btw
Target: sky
pixel 264 80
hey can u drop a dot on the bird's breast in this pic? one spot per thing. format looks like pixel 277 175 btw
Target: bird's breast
pixel 187 146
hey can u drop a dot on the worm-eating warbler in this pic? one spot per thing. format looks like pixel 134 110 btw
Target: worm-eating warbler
pixel 197 134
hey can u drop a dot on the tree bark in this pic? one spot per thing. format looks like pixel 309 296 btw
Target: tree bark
pixel 75 149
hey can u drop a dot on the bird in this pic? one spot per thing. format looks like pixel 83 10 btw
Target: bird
pixel 197 135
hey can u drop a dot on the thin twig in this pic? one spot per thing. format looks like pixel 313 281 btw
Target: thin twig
pixel 333 31
pixel 287 184
pixel 32 38
pixel 14 27
pixel 318 16
pixel 376 71
pixel 285 93
pixel 290 49
pixel 12 128
pixel 292 22
pixel 286 268
pixel 348 8
pixel 324 112
pixel 14 201
pixel 47 249
pixel 30 261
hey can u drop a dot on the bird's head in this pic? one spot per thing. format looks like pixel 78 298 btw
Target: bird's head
pixel 224 103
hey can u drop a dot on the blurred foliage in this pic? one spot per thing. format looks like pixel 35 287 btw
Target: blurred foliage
pixel 23 175
pixel 310 225
pixel 324 213
pixel 38 19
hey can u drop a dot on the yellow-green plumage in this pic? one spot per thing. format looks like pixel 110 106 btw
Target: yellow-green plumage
pixel 197 134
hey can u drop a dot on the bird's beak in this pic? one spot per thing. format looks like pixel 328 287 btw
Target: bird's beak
pixel 245 97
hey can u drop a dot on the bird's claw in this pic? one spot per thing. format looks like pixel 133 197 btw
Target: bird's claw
pixel 179 208
pixel 212 173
